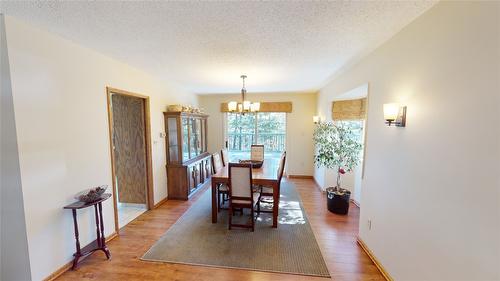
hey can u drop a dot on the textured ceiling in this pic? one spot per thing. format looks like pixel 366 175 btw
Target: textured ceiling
pixel 205 46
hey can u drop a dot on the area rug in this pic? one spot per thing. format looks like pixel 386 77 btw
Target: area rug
pixel 291 248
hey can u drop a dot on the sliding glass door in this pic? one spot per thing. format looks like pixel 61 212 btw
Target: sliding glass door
pixel 267 128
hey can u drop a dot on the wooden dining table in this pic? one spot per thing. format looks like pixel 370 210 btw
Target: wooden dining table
pixel 267 175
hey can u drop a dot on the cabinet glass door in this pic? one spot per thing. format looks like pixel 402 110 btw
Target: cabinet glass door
pixel 173 146
pixel 203 136
pixel 195 137
pixel 185 139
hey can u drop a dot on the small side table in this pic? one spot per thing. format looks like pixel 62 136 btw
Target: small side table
pixel 100 242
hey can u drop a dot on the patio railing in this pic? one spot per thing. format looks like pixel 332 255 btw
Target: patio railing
pixel 273 142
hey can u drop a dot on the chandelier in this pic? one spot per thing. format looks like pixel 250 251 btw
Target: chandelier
pixel 244 106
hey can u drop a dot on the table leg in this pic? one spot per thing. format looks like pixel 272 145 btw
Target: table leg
pixel 103 238
pixel 214 201
pixel 78 250
pixel 103 243
pixel 97 230
pixel 276 204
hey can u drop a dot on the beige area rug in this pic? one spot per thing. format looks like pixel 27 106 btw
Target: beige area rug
pixel 291 248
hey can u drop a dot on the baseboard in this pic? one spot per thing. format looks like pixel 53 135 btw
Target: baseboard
pixel 161 202
pixel 374 259
pixel 59 272
pixel 317 185
pixel 300 177
pixel 68 265
pixel 111 237
pixel 355 203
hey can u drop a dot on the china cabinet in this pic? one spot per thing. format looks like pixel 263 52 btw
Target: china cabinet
pixel 188 162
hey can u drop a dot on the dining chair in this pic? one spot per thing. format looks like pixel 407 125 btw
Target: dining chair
pixel 266 192
pixel 222 189
pixel 257 152
pixel 225 157
pixel 240 193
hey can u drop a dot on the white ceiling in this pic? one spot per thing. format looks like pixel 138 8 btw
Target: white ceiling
pixel 205 46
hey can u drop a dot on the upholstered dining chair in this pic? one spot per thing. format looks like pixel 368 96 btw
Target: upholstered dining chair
pixel 225 157
pixel 257 152
pixel 240 193
pixel 266 192
pixel 222 189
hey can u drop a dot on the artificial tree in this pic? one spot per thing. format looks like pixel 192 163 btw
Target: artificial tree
pixel 336 148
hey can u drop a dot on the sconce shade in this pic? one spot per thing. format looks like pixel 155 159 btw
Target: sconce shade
pixel 391 111
pixel 232 105
pixel 395 114
pixel 316 119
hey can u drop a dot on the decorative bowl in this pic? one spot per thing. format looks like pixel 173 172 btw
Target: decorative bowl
pixel 174 108
pixel 92 194
pixel 255 164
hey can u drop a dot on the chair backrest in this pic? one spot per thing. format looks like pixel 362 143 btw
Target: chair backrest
pixel 257 152
pixel 281 167
pixel 216 162
pixel 240 181
pixel 225 157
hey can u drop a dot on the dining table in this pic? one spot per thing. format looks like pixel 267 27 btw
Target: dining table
pixel 267 175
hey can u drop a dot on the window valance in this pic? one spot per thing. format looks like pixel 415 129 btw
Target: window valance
pixel 349 109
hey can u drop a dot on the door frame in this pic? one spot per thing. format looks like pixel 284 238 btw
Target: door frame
pixel 149 171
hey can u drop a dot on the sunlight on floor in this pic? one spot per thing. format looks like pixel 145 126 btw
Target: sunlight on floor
pixel 290 213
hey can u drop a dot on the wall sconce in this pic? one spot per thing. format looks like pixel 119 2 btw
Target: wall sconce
pixel 395 114
pixel 316 119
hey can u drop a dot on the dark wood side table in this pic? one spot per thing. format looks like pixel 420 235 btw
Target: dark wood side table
pixel 100 242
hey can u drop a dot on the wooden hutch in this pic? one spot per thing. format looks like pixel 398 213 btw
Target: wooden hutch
pixel 188 162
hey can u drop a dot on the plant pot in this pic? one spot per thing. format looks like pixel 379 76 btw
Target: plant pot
pixel 338 200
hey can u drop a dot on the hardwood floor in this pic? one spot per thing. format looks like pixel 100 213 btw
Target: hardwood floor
pixel 336 236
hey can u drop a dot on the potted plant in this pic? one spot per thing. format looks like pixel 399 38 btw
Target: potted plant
pixel 336 148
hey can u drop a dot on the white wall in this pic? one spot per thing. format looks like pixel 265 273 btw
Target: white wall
pixel 61 116
pixel 299 125
pixel 13 241
pixel 432 189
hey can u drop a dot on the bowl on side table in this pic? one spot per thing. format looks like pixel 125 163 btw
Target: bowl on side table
pixel 92 194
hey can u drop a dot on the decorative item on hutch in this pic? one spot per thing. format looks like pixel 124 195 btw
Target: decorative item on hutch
pixel 183 108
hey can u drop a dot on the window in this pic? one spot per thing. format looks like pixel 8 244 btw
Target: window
pixel 267 128
pixel 357 127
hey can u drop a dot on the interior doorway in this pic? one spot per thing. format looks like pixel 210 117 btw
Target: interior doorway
pixel 129 128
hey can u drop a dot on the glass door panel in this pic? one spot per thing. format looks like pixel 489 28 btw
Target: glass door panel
pixel 271 132
pixel 203 136
pixel 173 146
pixel 241 134
pixel 185 139
pixel 267 128
pixel 195 137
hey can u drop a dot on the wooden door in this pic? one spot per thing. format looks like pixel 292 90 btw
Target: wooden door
pixel 129 140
